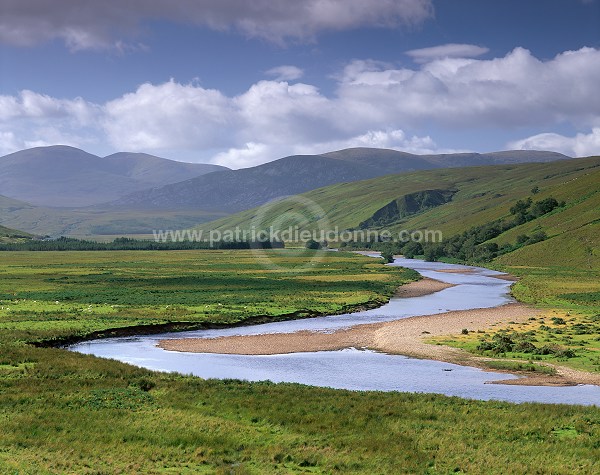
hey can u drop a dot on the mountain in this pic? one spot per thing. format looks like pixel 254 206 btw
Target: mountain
pixel 68 177
pixel 452 201
pixel 388 159
pixel 236 190
pixel 199 200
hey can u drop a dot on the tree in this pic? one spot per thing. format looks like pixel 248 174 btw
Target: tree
pixel 543 207
pixel 387 256
pixel 433 252
pixel 312 244
pixel 520 206
pixel 412 249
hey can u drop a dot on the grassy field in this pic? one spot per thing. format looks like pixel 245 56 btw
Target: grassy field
pixel 64 412
pixel 56 294
pixel 568 333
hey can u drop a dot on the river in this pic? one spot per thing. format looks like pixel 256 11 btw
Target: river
pixel 351 368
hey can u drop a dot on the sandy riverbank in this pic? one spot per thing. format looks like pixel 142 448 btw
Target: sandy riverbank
pixel 425 286
pixel 404 336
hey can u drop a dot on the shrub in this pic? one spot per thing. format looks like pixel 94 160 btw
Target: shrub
pixel 387 256
pixel 312 244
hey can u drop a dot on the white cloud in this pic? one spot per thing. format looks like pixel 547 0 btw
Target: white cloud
pixel 515 90
pixel 169 115
pixel 31 119
pixel 450 50
pixel 9 143
pixel 248 155
pixel 373 104
pixel 100 24
pixel 31 105
pixel 285 73
pixel 581 145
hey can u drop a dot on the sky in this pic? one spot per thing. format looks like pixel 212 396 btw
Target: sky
pixel 243 82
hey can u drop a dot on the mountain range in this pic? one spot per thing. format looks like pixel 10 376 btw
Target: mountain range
pixel 62 190
pixel 236 190
pixel 61 176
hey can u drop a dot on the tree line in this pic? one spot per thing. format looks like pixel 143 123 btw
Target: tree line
pixel 473 244
pixel 129 244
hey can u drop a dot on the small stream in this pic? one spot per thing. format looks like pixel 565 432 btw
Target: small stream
pixel 352 368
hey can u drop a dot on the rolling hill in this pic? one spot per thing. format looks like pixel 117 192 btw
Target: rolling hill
pixel 457 199
pixel 237 190
pixel 61 176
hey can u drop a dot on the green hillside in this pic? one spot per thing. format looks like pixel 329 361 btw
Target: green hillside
pixel 479 195
pixel 12 235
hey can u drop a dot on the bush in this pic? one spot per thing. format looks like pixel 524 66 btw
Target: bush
pixel 412 249
pixel 524 346
pixel 312 244
pixel 387 256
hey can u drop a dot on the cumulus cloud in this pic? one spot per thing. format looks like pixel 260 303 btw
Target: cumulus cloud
pixel 169 115
pixel 30 119
pixel 373 104
pixel 31 105
pixel 450 50
pixel 515 90
pixel 285 73
pixel 580 145
pixel 85 24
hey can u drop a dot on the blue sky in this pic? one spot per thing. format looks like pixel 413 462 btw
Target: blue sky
pixel 241 82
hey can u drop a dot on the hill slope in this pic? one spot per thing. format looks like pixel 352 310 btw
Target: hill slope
pixel 12 235
pixel 89 221
pixel 208 197
pixel 237 190
pixel 66 176
pixel 479 195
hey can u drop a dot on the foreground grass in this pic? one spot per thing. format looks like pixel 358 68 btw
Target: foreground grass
pixel 64 412
pixel 72 413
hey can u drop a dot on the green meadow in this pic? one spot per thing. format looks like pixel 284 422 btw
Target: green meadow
pixel 567 331
pixel 64 412
pixel 46 295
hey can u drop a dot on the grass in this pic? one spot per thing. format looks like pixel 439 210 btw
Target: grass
pixel 568 327
pixel 8 235
pixel 59 294
pixel 65 412
pixel 520 366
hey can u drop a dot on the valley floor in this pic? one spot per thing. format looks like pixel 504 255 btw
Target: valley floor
pixel 407 336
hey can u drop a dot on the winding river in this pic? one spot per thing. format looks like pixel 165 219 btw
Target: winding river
pixel 352 368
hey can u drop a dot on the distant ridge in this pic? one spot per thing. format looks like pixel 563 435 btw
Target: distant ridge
pixel 65 176
pixel 237 190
